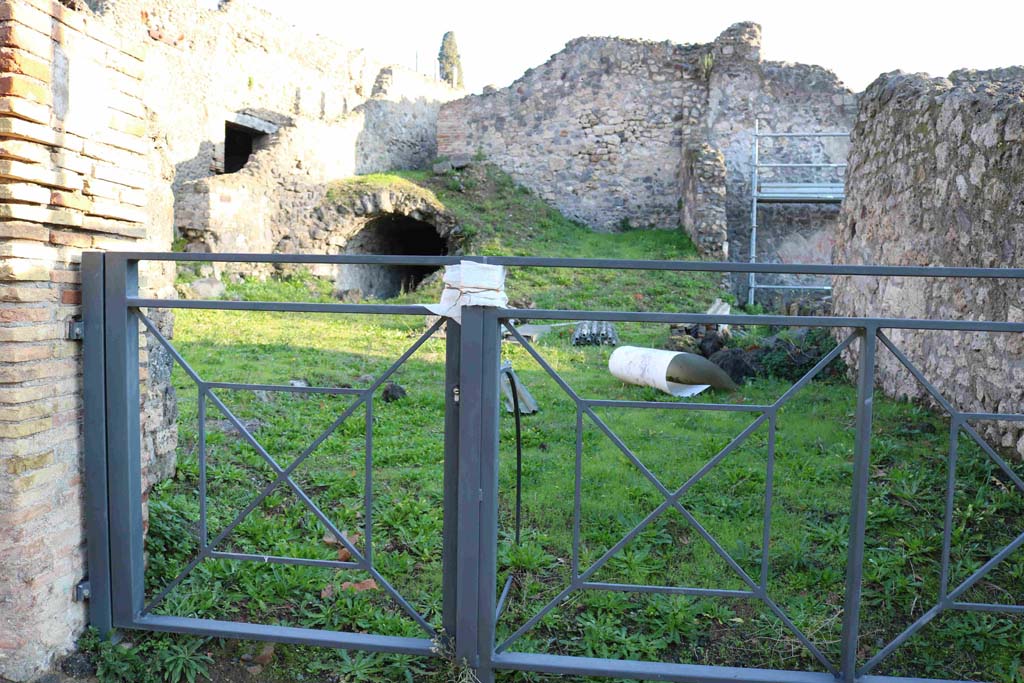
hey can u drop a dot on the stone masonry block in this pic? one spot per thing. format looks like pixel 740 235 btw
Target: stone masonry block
pixel 59 437
pixel 48 475
pixel 30 333
pixel 16 395
pixel 115 156
pixel 15 430
pixel 28 88
pixel 24 130
pixel 24 109
pixel 70 161
pixel 17 35
pixel 133 197
pixel 25 249
pixel 120 176
pixel 66 276
pixel 126 104
pixel 124 123
pixel 25 314
pixel 41 215
pixel 24 352
pixel 23 269
pixel 24 192
pixel 16 61
pixel 97 224
pixel 71 239
pixel 23 231
pixel 47 369
pixel 124 141
pixel 32 173
pixel 21 150
pixel 70 200
pixel 117 211
pixel 27 411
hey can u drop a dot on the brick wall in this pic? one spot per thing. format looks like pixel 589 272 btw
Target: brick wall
pixel 78 170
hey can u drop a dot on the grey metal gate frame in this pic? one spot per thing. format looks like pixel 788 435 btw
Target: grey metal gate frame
pixel 113 317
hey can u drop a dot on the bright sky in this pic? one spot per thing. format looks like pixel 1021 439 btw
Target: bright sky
pixel 499 41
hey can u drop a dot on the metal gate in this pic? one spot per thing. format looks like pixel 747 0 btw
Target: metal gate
pixel 115 313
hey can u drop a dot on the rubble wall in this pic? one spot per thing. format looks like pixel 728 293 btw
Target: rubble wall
pixel 936 178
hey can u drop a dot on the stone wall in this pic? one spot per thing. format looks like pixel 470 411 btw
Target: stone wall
pixel 329 111
pixel 598 131
pixel 602 132
pixel 937 178
pixel 81 168
pixel 703 187
pixel 273 205
pixel 781 98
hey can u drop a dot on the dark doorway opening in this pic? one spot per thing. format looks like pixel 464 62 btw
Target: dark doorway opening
pixel 239 143
pixel 391 234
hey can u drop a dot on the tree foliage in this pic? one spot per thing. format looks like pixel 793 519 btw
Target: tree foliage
pixel 449 61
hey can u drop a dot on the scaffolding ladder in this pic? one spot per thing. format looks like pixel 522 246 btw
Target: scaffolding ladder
pixel 787 193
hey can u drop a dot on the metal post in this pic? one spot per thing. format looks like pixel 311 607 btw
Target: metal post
pixel 489 438
pixel 451 480
pixel 124 479
pixel 95 436
pixel 859 503
pixel 751 277
pixel 478 490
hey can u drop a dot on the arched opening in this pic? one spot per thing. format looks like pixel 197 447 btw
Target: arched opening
pixel 389 234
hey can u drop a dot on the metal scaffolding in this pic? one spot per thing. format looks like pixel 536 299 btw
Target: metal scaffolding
pixel 788 192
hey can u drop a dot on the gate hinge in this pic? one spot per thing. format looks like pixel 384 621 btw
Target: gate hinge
pixel 76 330
pixel 83 591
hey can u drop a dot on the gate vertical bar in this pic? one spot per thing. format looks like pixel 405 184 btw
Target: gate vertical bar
pixel 478 491
pixel 453 341
pixel 469 491
pixel 124 477
pixel 859 503
pixel 490 400
pixel 95 437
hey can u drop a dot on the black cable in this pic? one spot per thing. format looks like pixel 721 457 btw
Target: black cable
pixel 519 452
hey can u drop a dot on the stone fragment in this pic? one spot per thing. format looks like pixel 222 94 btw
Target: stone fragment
pixel 359 586
pixel 207 288
pixel 78 665
pixel 736 363
pixel 393 392
pixel 265 656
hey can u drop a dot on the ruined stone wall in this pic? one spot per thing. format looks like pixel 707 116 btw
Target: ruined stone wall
pixel 781 98
pixel 603 130
pixel 81 168
pixel 331 112
pixel 703 186
pixel 937 178
pixel 272 204
pixel 598 131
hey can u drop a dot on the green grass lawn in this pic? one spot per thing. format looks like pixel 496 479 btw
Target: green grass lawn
pixel 812 475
